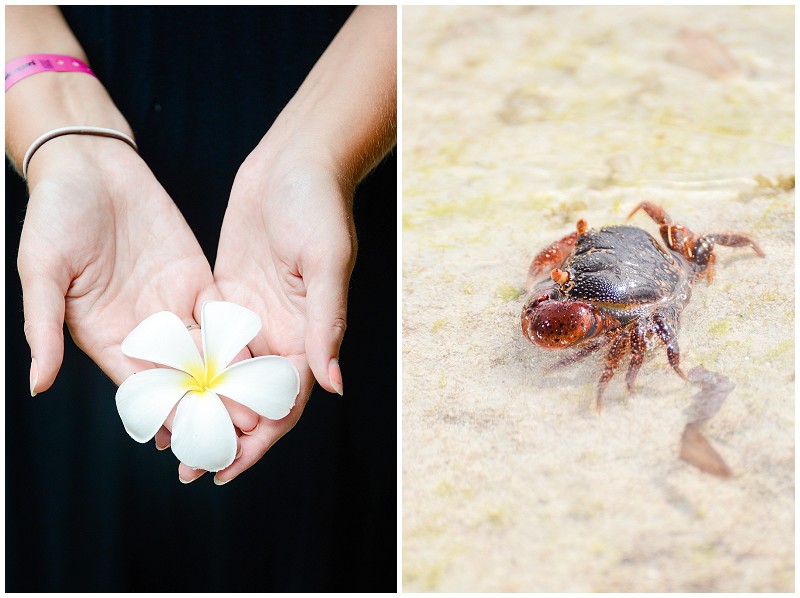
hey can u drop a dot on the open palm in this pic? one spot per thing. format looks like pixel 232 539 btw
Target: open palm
pixel 287 249
pixel 103 246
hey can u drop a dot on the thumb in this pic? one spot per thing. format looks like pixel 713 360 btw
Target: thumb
pixel 326 322
pixel 43 304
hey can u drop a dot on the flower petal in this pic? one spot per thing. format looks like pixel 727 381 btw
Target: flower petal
pixel 227 328
pixel 203 436
pixel 268 385
pixel 163 338
pixel 144 400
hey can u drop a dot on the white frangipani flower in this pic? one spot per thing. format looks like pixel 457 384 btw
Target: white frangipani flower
pixel 203 436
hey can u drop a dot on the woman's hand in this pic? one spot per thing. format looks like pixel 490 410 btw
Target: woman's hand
pixel 103 247
pixel 288 243
pixel 287 251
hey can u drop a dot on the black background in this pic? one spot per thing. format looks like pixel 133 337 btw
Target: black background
pixel 89 509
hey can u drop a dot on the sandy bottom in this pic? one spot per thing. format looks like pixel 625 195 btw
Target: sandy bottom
pixel 516 123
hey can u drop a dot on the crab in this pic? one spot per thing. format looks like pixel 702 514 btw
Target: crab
pixel 617 287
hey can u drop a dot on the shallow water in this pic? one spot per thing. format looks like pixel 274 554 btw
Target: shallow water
pixel 516 123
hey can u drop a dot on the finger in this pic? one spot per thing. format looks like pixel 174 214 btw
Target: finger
pixel 187 475
pixel 243 417
pixel 255 444
pixel 163 438
pixel 325 327
pixel 209 293
pixel 43 303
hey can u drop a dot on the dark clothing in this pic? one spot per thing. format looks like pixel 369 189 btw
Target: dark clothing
pixel 87 508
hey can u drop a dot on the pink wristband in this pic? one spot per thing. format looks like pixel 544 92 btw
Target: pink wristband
pixel 32 64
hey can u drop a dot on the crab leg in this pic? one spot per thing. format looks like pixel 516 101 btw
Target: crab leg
pixel 667 335
pixel 655 212
pixel 677 237
pixel 709 268
pixel 733 240
pixel 550 258
pixel 705 244
pixel 618 345
pixel 638 348
pixel 578 355
pixel 681 239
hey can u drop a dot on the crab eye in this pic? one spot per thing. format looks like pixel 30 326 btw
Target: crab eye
pixel 703 250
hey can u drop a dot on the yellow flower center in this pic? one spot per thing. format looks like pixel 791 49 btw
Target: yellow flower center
pixel 203 376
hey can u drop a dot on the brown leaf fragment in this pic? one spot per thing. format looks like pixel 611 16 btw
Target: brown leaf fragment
pixel 702 52
pixel 714 389
pixel 781 183
pixel 695 448
pixel 697 451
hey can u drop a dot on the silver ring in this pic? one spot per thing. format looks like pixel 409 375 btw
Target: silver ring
pixel 192 326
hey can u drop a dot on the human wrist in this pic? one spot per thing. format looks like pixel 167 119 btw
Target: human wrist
pixel 49 101
pixel 73 158
pixel 293 148
pixel 34 64
pixel 73 130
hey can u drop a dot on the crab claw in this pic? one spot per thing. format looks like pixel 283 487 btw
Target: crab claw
pixel 561 324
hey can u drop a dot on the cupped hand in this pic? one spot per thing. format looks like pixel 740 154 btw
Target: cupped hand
pixel 102 248
pixel 286 251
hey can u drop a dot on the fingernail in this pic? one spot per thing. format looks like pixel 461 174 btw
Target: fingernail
pixel 335 376
pixel 253 431
pixel 219 482
pixel 34 376
pixel 161 448
pixel 190 481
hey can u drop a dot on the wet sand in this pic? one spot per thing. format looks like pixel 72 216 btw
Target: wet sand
pixel 516 123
